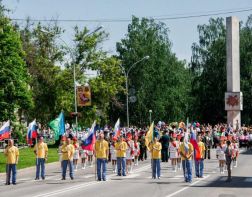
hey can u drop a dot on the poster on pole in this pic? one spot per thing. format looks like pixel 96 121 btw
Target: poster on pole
pixel 84 95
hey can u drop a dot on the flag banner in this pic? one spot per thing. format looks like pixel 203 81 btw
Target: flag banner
pixel 89 141
pixel 84 95
pixel 58 126
pixel 149 135
pixel 116 131
pixel 194 142
pixel 5 130
pixel 32 131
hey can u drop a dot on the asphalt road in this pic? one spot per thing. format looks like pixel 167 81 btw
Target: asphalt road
pixel 139 183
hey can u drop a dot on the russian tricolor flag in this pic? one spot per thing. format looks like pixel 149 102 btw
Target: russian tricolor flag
pixel 89 141
pixel 194 142
pixel 117 132
pixel 32 131
pixel 5 130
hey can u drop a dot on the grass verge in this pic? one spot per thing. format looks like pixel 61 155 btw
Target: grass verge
pixel 27 158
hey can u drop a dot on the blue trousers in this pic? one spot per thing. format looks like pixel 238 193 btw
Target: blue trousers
pixel 66 163
pixel 187 168
pixel 40 164
pixel 155 168
pixel 121 166
pixel 199 167
pixel 101 163
pixel 11 169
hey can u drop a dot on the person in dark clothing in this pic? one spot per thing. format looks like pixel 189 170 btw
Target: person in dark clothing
pixel 164 140
pixel 143 151
pixel 207 140
pixel 229 157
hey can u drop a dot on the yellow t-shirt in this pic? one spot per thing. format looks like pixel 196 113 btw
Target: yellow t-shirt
pixel 202 149
pixel 67 152
pixel 155 150
pixel 121 149
pixel 11 154
pixel 183 153
pixel 42 150
pixel 101 149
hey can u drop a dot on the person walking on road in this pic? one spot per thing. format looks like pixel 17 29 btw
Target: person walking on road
pixel 164 140
pixel 76 153
pixel 186 152
pixel 101 152
pixel 121 148
pixel 229 157
pixel 199 162
pixel 155 149
pixel 41 152
pixel 12 155
pixel 67 158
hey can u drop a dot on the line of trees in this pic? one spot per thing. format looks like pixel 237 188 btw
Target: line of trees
pixel 36 73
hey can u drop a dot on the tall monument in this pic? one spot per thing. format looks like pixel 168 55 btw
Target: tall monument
pixel 233 96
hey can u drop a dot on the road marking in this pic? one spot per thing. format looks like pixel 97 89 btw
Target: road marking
pixel 83 185
pixel 89 176
pixel 248 179
pixel 194 183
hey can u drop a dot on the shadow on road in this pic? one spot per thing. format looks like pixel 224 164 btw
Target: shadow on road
pixel 247 152
pixel 237 182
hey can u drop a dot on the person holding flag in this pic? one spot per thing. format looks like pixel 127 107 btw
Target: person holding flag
pixel 32 132
pixel 88 143
pixel 155 149
pixel 12 155
pixel 186 152
pixel 41 152
pixel 121 147
pixel 67 158
pixel 199 162
pixel 101 152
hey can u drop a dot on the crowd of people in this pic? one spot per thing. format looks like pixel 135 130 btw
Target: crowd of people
pixel 182 144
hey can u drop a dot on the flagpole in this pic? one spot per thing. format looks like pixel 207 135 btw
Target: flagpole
pixel 36 151
pixel 7 170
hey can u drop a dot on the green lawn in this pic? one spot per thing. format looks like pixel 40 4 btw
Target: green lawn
pixel 27 158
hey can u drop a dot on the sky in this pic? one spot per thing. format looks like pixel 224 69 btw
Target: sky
pixel 183 32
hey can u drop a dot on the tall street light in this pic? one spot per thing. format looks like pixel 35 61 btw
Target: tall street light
pixel 126 74
pixel 71 51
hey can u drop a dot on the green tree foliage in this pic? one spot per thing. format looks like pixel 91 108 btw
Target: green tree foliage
pixel 50 83
pixel 209 70
pixel 14 91
pixel 107 83
pixel 162 82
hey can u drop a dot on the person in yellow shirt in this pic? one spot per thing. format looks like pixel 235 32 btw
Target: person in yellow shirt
pixel 155 150
pixel 41 152
pixel 67 158
pixel 101 152
pixel 121 147
pixel 12 154
pixel 199 162
pixel 186 152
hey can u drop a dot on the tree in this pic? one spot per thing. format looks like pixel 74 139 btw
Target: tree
pixel 108 82
pixel 162 82
pixel 49 82
pixel 208 67
pixel 14 90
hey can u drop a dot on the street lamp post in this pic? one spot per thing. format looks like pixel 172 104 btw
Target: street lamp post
pixel 150 111
pixel 70 50
pixel 126 74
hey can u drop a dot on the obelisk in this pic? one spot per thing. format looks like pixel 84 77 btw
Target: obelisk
pixel 233 96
